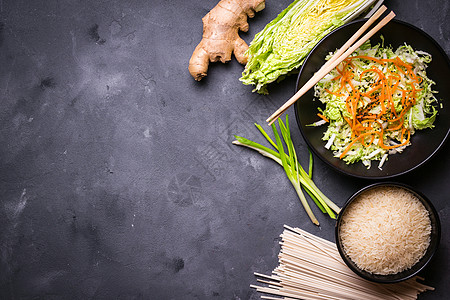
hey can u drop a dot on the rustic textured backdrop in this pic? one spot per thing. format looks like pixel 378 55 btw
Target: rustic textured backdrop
pixel 118 179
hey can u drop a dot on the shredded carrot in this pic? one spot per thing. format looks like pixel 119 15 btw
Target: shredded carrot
pixel 365 124
pixel 337 93
pixel 323 117
pixel 355 140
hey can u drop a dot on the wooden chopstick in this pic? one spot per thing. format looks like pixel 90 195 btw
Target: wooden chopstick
pixel 355 36
pixel 336 59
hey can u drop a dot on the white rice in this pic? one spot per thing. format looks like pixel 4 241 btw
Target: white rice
pixel 385 230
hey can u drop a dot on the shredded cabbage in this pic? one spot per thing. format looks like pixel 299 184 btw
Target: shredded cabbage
pixel 351 133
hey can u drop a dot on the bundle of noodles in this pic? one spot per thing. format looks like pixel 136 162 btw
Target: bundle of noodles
pixel 311 268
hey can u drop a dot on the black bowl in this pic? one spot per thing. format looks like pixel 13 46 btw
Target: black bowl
pixel 420 265
pixel 425 143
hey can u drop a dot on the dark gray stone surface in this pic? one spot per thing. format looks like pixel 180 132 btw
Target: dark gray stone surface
pixel 118 179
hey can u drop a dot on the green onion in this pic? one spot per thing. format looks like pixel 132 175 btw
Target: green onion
pixel 294 171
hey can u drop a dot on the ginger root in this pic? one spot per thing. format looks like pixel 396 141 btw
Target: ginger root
pixel 220 34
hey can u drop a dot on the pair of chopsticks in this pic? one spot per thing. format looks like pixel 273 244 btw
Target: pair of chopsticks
pixel 337 58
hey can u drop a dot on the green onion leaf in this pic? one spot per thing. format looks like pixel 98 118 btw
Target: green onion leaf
pixel 294 171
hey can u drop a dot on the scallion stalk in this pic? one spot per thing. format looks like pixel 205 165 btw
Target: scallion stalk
pixel 294 171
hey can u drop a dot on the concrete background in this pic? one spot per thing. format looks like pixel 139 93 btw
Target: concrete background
pixel 118 179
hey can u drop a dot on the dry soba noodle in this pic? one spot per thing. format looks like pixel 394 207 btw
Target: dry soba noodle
pixel 310 268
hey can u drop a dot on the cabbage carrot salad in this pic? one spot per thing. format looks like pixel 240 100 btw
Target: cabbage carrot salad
pixel 374 102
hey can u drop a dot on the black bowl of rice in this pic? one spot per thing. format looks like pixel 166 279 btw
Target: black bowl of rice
pixel 387 232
